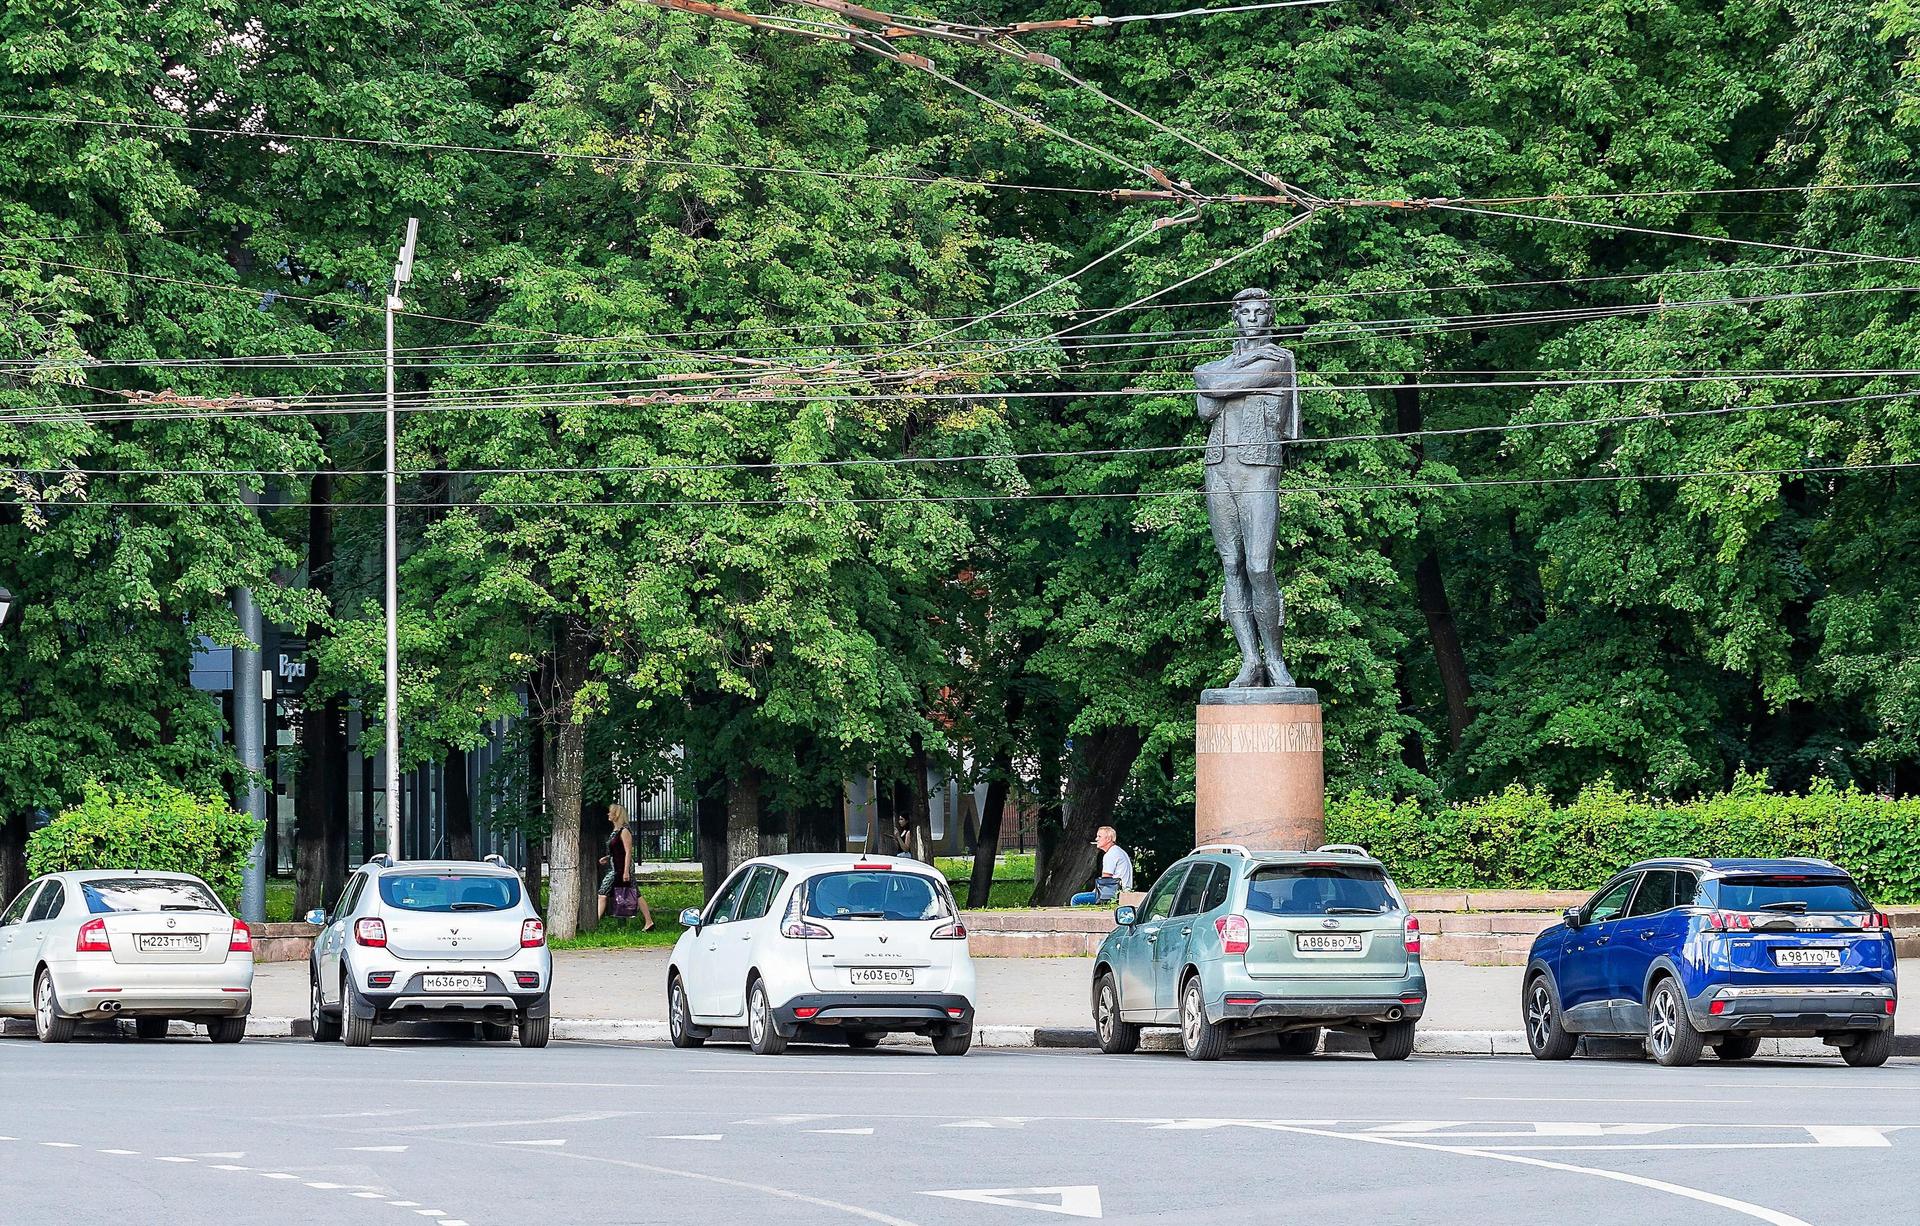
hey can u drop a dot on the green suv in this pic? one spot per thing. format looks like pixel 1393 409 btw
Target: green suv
pixel 1232 943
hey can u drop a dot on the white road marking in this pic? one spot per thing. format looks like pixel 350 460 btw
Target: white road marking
pixel 1561 1098
pixel 124 1153
pixel 377 1149
pixel 1849 1136
pixel 533 1142
pixel 431 1212
pixel 843 1132
pixel 277 1175
pixel 238 1153
pixel 757 1072
pixel 173 1160
pixel 1772 1216
pixel 1417 1126
pixel 584 1117
pixel 59 1145
pixel 371 1195
pixel 356 1115
pixel 1077 1201
pixel 228 1166
pixel 559 1085
pixel 404 1204
pixel 691 1136
pixel 327 1187
pixel 1004 1121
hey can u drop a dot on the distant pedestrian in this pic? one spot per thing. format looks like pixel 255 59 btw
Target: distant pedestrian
pixel 1116 870
pixel 619 887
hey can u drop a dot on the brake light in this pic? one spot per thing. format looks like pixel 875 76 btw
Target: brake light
pixel 1728 921
pixel 1889 1006
pixel 1716 1007
pixel 804 1012
pixel 794 923
pixel 955 931
pixel 956 1014
pixel 93 938
pixel 241 942
pixel 1234 933
pixel 1413 935
pixel 533 933
pixel 370 931
pixel 884 868
pixel 1875 919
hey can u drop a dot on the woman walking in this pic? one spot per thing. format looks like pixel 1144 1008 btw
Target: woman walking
pixel 618 885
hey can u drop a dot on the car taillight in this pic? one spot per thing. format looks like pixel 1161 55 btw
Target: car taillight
pixel 1875 919
pixel 1728 921
pixel 241 942
pixel 533 933
pixel 1234 933
pixel 93 938
pixel 370 931
pixel 794 923
pixel 806 1011
pixel 1413 935
pixel 956 931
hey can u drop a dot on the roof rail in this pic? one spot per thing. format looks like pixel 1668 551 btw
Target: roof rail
pixel 1349 849
pixel 1233 849
pixel 383 860
pixel 494 858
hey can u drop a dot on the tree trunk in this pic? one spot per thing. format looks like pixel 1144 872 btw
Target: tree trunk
pixel 460 840
pixel 1103 761
pixel 1047 813
pixel 710 832
pixel 986 849
pixel 1431 590
pixel 566 771
pixel 743 816
pixel 13 856
pixel 920 824
pixel 536 803
pixel 320 796
pixel 880 831
pixel 593 845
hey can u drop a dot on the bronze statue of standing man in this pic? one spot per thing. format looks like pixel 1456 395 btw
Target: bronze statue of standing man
pixel 1252 399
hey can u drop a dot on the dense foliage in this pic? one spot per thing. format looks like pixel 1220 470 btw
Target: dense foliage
pixel 151 826
pixel 714 450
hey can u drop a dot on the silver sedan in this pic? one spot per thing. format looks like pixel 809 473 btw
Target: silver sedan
pixel 112 943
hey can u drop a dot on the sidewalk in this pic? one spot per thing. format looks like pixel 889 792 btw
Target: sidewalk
pixel 625 990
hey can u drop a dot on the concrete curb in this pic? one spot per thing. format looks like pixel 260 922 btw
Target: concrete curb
pixel 1426 1042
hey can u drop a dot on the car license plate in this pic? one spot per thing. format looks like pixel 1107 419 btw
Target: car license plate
pixel 1806 957
pixel 454 983
pixel 880 974
pixel 162 942
pixel 1327 942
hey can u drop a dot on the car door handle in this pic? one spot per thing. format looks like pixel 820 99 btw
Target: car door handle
pixel 1186 932
pixel 1601 940
pixel 1647 934
pixel 1152 937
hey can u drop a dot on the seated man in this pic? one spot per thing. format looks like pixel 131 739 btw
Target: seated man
pixel 1116 871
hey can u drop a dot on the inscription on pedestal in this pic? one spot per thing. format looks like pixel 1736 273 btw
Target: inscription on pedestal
pixel 1302 737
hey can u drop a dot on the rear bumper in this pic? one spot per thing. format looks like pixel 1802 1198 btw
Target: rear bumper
pixel 1238 1006
pixel 98 987
pixel 1790 1010
pixel 411 1001
pixel 932 1012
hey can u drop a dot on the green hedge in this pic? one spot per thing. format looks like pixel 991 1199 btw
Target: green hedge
pixel 1521 840
pixel 154 826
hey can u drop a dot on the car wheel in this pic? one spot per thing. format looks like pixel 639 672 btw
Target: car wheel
pixel 762 1034
pixel 149 1027
pixel 1200 1038
pixel 1671 1037
pixel 227 1029
pixel 496 1032
pixel 1117 1037
pixel 953 1044
pixel 1738 1047
pixel 1869 1049
pixel 863 1040
pixel 324 1029
pixel 1547 1039
pixel 356 1030
pixel 535 1031
pixel 1394 1042
pixel 48 1025
pixel 1299 1042
pixel 679 1017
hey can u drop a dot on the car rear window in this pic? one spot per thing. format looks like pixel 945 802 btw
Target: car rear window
pixel 449 891
pixel 1785 892
pixel 110 894
pixel 1319 889
pixel 875 894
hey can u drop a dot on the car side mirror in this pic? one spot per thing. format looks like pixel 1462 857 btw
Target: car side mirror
pixel 690 918
pixel 317 917
pixel 1572 916
pixel 1126 916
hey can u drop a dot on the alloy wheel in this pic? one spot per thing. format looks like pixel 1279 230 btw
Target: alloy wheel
pixel 315 1018
pixel 1190 1015
pixel 756 1018
pixel 675 1003
pixel 1105 1020
pixel 1540 1015
pixel 1660 1031
pixel 43 1004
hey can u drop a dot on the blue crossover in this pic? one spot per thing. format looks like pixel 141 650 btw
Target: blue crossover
pixel 1715 954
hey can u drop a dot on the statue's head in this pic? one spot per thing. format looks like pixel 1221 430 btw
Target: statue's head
pixel 1252 312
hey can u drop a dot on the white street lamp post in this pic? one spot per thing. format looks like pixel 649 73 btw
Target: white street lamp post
pixel 402 273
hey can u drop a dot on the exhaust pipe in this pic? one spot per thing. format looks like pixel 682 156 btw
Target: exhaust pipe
pixel 109 1006
pixel 1395 1014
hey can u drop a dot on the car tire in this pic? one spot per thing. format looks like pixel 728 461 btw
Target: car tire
pixel 762 1035
pixel 1737 1047
pixel 1672 1039
pixel 1547 1039
pixel 356 1030
pixel 324 1029
pixel 48 1025
pixel 1394 1042
pixel 679 1018
pixel 496 1032
pixel 535 1031
pixel 1298 1042
pixel 863 1040
pixel 1200 1038
pixel 1869 1049
pixel 953 1044
pixel 149 1027
pixel 227 1029
pixel 1117 1037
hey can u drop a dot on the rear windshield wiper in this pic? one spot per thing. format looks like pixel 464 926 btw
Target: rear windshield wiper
pixel 857 915
pixel 473 906
pixel 181 906
pixel 1353 911
pixel 1799 907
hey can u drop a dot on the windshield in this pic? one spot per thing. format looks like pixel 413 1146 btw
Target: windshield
pixel 1320 889
pixel 875 894
pixel 110 894
pixel 449 891
pixel 1784 892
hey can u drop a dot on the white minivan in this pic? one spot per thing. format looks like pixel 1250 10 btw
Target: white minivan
pixel 821 948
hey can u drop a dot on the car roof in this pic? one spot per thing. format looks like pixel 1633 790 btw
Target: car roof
pixel 813 862
pixel 474 867
pixel 1334 853
pixel 1744 865
pixel 78 875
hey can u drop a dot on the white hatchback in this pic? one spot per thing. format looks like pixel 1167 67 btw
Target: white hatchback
pixel 824 947
pixel 99 945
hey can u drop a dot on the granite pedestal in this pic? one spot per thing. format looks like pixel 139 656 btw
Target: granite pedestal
pixel 1258 775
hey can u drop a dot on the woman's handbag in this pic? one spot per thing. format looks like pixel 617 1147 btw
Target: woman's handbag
pixel 625 903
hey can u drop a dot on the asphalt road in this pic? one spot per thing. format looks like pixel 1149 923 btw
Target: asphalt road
pixel 466 1134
